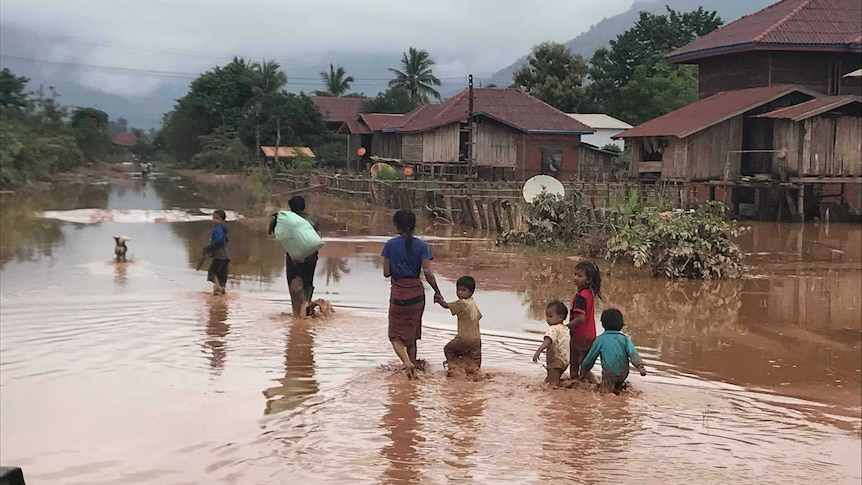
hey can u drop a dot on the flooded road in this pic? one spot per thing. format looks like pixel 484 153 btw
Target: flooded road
pixel 116 374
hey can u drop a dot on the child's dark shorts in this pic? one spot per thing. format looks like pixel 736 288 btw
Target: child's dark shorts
pixel 469 351
pixel 218 270
pixel 613 383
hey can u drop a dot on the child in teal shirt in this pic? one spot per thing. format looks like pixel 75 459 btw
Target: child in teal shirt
pixel 616 350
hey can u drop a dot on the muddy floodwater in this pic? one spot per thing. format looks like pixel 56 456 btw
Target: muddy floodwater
pixel 132 373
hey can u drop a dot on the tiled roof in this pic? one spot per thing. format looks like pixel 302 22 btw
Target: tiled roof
pixel 125 140
pixel 286 152
pixel 338 110
pixel 380 121
pixel 814 107
pixel 512 107
pixel 709 111
pixel 808 24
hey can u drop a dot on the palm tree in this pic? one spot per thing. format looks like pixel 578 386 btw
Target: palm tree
pixel 416 76
pixel 266 81
pixel 336 82
pixel 333 268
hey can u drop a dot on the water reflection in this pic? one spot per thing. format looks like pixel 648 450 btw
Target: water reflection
pixel 401 421
pixel 464 408
pixel 26 237
pixel 120 270
pixel 298 383
pixel 333 269
pixel 217 330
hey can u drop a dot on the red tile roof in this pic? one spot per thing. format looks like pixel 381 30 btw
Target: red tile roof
pixel 125 140
pixel 512 107
pixel 710 111
pixel 380 121
pixel 808 24
pixel 338 110
pixel 814 107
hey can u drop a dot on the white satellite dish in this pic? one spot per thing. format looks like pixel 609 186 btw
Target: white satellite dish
pixel 540 183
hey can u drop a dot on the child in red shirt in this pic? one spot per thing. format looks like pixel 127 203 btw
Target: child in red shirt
pixel 582 318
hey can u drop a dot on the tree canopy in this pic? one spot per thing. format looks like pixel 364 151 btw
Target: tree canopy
pixel 394 100
pixel 416 77
pixel 336 82
pixel 554 75
pixel 625 78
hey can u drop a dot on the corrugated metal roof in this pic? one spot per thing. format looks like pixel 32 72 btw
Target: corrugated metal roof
pixel 286 152
pixel 814 107
pixel 600 121
pixel 827 24
pixel 338 110
pixel 710 111
pixel 512 107
pixel 381 121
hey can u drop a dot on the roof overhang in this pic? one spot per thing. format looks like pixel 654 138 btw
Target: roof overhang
pixel 724 118
pixel 760 46
pixel 856 73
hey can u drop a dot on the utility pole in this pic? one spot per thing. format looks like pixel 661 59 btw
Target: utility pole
pixel 470 129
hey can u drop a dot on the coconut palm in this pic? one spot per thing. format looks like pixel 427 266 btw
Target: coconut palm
pixel 266 80
pixel 416 76
pixel 336 82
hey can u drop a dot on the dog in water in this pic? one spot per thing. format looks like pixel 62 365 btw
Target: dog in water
pixel 120 248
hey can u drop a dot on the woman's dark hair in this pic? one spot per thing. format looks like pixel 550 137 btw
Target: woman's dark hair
pixel 559 308
pixel 296 203
pixel 466 282
pixel 405 222
pixel 612 319
pixel 594 276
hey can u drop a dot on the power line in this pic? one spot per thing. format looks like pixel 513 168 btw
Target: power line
pixel 191 75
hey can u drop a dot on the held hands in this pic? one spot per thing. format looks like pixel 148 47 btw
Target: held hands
pixel 438 299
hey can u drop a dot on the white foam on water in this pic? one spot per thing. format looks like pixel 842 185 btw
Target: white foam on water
pixel 95 216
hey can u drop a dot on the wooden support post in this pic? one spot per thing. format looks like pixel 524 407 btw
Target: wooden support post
pixel 800 204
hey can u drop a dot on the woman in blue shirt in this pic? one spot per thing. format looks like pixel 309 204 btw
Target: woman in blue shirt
pixel 403 259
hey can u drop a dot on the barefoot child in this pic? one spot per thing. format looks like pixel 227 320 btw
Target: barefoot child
pixel 556 342
pixel 582 319
pixel 217 248
pixel 616 350
pixel 466 348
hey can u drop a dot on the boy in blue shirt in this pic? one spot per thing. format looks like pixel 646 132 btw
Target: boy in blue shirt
pixel 217 248
pixel 616 350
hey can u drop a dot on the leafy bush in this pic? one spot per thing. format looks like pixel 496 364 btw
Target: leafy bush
pixel 674 245
pixel 688 245
pixel 303 163
pixel 393 174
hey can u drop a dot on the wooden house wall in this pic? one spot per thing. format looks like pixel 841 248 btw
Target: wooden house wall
pixel 635 145
pixel 707 152
pixel 787 140
pixel 496 144
pixel 832 146
pixel 812 70
pixel 442 144
pixel 732 72
pixel 386 145
pixel 411 147
pixel 673 159
pixel 594 165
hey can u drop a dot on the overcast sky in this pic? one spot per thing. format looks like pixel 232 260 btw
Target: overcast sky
pixel 463 36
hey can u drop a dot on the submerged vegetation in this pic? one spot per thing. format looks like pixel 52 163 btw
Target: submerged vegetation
pixel 697 244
